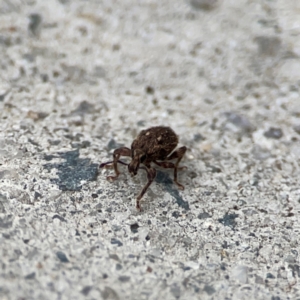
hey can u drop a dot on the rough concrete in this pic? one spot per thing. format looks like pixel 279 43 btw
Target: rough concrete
pixel 80 78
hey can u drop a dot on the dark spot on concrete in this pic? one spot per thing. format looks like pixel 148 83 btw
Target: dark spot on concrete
pixel 54 142
pixel 82 145
pixel 109 209
pixel 62 257
pixel 209 289
pixel 85 144
pixel 49 157
pixel 84 108
pixel 114 256
pixel 240 121
pixel 260 153
pixel 192 174
pixel 204 4
pixel 29 57
pixel 6 221
pixel 37 195
pixel 72 137
pixel 198 137
pixel 175 291
pixel 2 96
pixel 270 276
pixel 76 74
pixel 134 227
pixel 4 173
pixel 98 207
pixel 5 41
pixel 229 220
pixel 3 199
pixel 30 276
pixel 274 133
pixel 99 72
pixel 41 115
pixel 44 77
pixel 34 24
pixel 112 144
pixel 72 171
pixel 149 90
pixel 33 142
pixel 214 169
pixel 176 214
pixel 85 291
pixel 204 215
pixel 297 128
pixel 109 294
pixel 295 270
pixel 165 180
pixel 141 123
pixel 115 241
pixel 69 136
pixel 116 47
pixel 268 45
pixel 124 278
pixel 60 218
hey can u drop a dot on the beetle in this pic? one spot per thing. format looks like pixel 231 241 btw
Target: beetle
pixel 155 144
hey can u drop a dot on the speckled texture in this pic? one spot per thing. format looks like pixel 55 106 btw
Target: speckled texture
pixel 80 78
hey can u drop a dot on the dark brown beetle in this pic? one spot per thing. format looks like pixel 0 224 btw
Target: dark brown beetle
pixel 155 145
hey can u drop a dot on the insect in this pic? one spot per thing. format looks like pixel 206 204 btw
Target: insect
pixel 155 145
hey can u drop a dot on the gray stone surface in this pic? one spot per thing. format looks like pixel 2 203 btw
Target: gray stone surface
pixel 79 78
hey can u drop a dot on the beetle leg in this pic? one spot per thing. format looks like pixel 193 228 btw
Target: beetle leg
pixel 110 162
pixel 176 154
pixel 124 151
pixel 151 174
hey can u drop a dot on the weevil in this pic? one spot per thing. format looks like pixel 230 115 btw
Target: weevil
pixel 153 145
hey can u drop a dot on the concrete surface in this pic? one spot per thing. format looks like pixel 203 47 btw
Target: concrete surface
pixel 80 78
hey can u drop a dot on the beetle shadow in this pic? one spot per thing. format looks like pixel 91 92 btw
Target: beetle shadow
pixel 168 184
pixel 72 170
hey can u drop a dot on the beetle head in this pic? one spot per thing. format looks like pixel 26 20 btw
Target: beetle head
pixel 138 157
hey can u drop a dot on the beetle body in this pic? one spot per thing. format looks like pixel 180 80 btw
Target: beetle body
pixel 152 144
pixel 155 145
